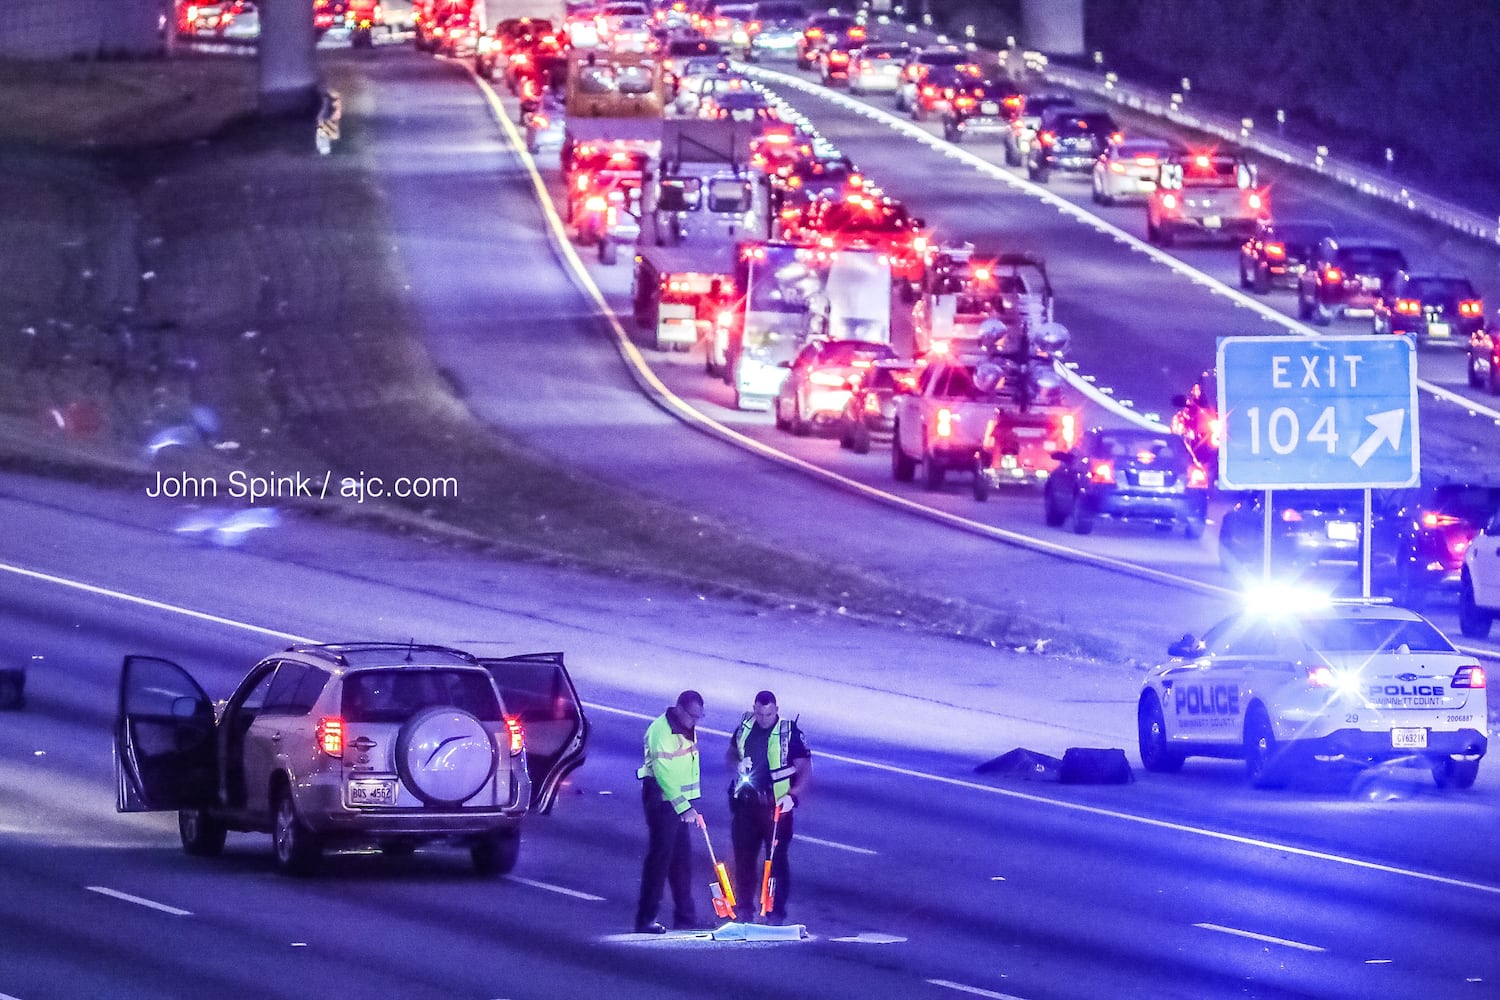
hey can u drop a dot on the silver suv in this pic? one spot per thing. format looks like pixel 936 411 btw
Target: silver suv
pixel 353 744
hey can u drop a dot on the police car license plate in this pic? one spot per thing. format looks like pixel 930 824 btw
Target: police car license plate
pixel 1437 329
pixel 1343 531
pixel 372 792
pixel 1212 222
pixel 1151 478
pixel 1409 739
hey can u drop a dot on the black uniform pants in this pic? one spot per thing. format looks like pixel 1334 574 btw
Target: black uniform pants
pixel 669 859
pixel 750 829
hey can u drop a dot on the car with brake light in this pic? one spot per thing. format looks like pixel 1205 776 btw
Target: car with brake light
pixel 1279 251
pixel 746 104
pixel 863 219
pixel 877 67
pixel 1205 194
pixel 1127 474
pixel 940 422
pixel 726 24
pixel 825 33
pixel 775 28
pixel 356 744
pixel 1435 309
pixel 1021 442
pixel 1072 140
pixel 1293 680
pixel 797 186
pixel 1127 170
pixel 1484 359
pixel 1023 128
pixel 1309 528
pixel 1346 277
pixel 870 414
pixel 1427 530
pixel 699 54
pixel 919 65
pixel 983 106
pixel 819 384
pixel 938 86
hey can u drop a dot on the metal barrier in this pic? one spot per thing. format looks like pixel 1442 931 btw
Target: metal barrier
pixel 330 111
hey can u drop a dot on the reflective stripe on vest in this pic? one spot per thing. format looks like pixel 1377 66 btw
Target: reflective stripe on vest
pixel 777 751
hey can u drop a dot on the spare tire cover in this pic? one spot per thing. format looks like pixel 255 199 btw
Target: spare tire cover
pixel 445 756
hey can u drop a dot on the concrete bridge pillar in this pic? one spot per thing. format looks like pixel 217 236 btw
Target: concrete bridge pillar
pixel 288 61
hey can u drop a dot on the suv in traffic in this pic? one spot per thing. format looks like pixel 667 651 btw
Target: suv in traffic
pixel 1070 139
pixel 391 745
pixel 1277 253
pixel 1345 278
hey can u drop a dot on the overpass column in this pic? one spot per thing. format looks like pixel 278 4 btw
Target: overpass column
pixel 288 63
pixel 1054 26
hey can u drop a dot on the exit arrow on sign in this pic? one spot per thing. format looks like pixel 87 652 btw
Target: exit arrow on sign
pixel 1387 428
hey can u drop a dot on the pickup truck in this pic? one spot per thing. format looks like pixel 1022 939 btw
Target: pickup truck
pixel 1205 194
pixel 940 423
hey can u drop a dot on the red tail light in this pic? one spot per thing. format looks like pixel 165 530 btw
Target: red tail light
pixel 1115 138
pixel 1320 676
pixel 595 203
pixel 964 102
pixel 753 27
pixel 1102 473
pixel 517 734
pixel 1013 102
pixel 331 735
pixel 1332 276
pixel 928 90
pixel 1047 138
pixel 1291 515
pixel 813 33
pixel 945 421
pixel 1471 676
pixel 1408 307
pixel 1276 251
pixel 1471 307
pixel 838 57
pixel 1255 201
pixel 856 33
pixel 1432 520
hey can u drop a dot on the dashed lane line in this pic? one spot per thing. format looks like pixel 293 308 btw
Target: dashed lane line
pixel 1266 938
pixel 138 900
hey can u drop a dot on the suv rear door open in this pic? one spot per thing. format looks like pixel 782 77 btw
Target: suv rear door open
pixel 165 745
pixel 536 688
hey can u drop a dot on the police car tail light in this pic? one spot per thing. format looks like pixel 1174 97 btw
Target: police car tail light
pixel 516 733
pixel 1332 276
pixel 1102 473
pixel 1471 676
pixel 330 734
pixel 1321 676
pixel 1408 307
pixel 946 418
pixel 1471 307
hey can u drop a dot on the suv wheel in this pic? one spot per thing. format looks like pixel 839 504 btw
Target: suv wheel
pixel 1451 773
pixel 903 468
pixel 468 761
pixel 1151 730
pixel 981 477
pixel 1304 308
pixel 298 849
pixel 1260 284
pixel 1473 621
pixel 202 834
pixel 496 854
pixel 1475 380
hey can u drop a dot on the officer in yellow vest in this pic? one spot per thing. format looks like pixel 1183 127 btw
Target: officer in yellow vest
pixel 669 794
pixel 772 766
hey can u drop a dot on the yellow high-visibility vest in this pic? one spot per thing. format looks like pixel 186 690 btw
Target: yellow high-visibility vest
pixel 672 760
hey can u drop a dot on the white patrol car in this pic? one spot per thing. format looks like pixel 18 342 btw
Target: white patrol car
pixel 1360 681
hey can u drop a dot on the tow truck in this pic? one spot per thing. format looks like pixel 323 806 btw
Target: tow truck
pixel 1205 194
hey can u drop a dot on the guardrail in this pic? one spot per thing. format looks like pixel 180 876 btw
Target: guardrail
pixel 330 112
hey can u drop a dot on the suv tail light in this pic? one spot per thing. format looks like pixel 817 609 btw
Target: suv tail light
pixel 1047 138
pixel 1333 276
pixel 1471 307
pixel 331 735
pixel 1102 473
pixel 517 734
pixel 945 421
pixel 1471 676
pixel 1276 251
pixel 1408 307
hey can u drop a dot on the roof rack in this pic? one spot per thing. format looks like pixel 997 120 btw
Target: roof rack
pixel 335 652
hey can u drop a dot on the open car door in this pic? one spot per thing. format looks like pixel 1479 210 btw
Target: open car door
pixel 165 745
pixel 536 687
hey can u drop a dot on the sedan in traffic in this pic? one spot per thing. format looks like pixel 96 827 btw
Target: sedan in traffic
pixel 1130 474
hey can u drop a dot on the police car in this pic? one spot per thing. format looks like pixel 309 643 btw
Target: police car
pixel 1289 681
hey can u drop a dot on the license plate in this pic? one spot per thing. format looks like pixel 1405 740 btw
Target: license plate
pixel 1409 739
pixel 1437 329
pixel 1212 222
pixel 1343 531
pixel 989 108
pixel 1370 284
pixel 1151 478
pixel 1028 432
pixel 372 792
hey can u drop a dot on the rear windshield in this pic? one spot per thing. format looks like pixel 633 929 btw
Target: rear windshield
pixel 1372 258
pixel 1440 288
pixel 943 58
pixel 767 11
pixel 1087 125
pixel 1301 236
pixel 1372 635
pixel 1160 447
pixel 395 695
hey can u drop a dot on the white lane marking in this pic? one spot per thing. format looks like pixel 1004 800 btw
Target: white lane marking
pixel 560 890
pixel 7 996
pixel 87 588
pixel 972 990
pixel 138 900
pixel 802 838
pixel 1259 937
pixel 1076 807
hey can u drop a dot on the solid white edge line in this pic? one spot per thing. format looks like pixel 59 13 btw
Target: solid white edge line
pixel 560 890
pixel 803 838
pixel 1268 939
pixel 138 900
pixel 7 996
pixel 971 990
